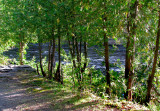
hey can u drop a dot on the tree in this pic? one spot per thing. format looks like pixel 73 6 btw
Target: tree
pixel 151 76
pixel 17 21
pixel 130 48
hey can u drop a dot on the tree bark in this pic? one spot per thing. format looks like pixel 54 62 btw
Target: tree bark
pixel 78 52
pixel 37 69
pixel 40 59
pixel 21 52
pixel 106 51
pixel 130 49
pixel 59 76
pixel 107 64
pixel 85 55
pixel 52 59
pixel 49 56
pixel 151 76
pixel 78 60
pixel 80 49
pixel 127 64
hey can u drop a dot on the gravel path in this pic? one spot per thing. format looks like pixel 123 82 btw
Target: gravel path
pixel 11 94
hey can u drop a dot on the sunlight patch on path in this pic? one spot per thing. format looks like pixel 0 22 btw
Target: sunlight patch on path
pixel 37 106
pixel 14 95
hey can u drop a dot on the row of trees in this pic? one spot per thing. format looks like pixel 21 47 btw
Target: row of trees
pixel 81 23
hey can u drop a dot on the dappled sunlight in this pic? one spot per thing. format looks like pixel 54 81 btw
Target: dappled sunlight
pixel 80 55
pixel 35 93
pixel 37 106
pixel 13 96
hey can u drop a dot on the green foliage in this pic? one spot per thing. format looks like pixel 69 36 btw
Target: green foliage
pixel 154 106
pixel 29 21
pixel 31 63
pixel 3 60
pixel 118 84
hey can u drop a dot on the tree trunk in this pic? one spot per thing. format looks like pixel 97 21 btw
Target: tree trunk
pixel 80 50
pixel 127 64
pixel 73 30
pixel 21 52
pixel 59 78
pixel 49 56
pixel 78 56
pixel 37 69
pixel 151 76
pixel 79 74
pixel 106 52
pixel 78 53
pixel 73 52
pixel 107 64
pixel 40 59
pixel 130 51
pixel 85 55
pixel 52 59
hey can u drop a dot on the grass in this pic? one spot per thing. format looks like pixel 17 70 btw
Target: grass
pixel 62 97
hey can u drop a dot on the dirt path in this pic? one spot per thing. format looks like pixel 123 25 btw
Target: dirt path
pixel 14 95
pixel 11 94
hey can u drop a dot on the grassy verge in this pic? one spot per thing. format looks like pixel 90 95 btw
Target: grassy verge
pixel 62 97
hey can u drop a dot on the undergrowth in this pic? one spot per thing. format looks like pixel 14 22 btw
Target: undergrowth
pixel 67 95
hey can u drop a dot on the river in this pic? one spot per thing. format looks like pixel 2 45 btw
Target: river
pixel 96 59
